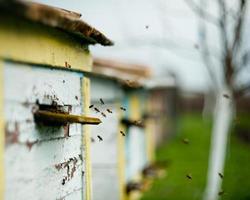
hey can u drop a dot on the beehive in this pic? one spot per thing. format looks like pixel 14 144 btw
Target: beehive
pixel 113 168
pixel 44 94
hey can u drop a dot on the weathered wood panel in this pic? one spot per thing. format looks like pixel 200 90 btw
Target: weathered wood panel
pixel 34 43
pixel 105 183
pixel 41 162
pixel 105 154
pixel 108 90
pixel 27 84
pixel 136 152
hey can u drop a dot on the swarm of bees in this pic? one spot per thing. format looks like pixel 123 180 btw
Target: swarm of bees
pixel 97 110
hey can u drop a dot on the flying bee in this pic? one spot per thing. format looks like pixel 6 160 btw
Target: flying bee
pixel 109 111
pixel 92 140
pixel 102 102
pixel 103 114
pixel 189 176
pixel 123 134
pixel 91 106
pixel 63 181
pixel 226 96
pixel 122 108
pixel 196 46
pixel 221 192
pixel 221 175
pixel 100 138
pixel 138 122
pixel 66 64
pixel 185 141
pixel 96 109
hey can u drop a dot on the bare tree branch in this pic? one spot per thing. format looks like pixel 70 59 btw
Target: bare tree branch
pixel 240 92
pixel 206 56
pixel 201 12
pixel 238 28
pixel 223 24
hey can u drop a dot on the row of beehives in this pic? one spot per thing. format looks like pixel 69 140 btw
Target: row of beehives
pixel 134 122
pixel 45 140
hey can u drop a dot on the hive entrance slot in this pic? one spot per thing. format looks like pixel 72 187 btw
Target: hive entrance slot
pixel 59 116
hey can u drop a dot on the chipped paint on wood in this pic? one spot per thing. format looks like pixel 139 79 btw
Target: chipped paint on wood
pixel 41 162
pixel 86 139
pixel 2 175
pixel 28 42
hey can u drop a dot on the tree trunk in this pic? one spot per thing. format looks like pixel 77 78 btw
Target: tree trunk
pixel 223 116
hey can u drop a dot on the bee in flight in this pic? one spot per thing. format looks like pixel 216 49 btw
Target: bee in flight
pixel 96 109
pixel 189 176
pixel 122 108
pixel 103 114
pixel 123 134
pixel 109 111
pixel 185 141
pixel 221 192
pixel 221 175
pixel 102 102
pixel 92 140
pixel 100 138
pixel 91 106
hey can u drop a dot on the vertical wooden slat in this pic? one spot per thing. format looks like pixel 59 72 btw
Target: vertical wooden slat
pixel 86 139
pixel 121 157
pixel 150 137
pixel 1 131
pixel 134 107
pixel 150 141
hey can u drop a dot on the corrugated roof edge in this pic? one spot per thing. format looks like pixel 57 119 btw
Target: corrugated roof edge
pixel 55 17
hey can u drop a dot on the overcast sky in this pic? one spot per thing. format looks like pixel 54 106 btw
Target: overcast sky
pixel 161 34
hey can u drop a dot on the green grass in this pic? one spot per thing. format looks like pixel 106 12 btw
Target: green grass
pixel 237 171
pixel 192 159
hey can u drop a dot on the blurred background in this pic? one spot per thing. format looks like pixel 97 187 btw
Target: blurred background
pixel 200 49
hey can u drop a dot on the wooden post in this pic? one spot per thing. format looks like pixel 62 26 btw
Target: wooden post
pixel 2 132
pixel 86 138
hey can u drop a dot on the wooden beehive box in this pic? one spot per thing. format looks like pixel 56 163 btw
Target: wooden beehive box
pixel 162 108
pixel 122 154
pixel 105 152
pixel 44 100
